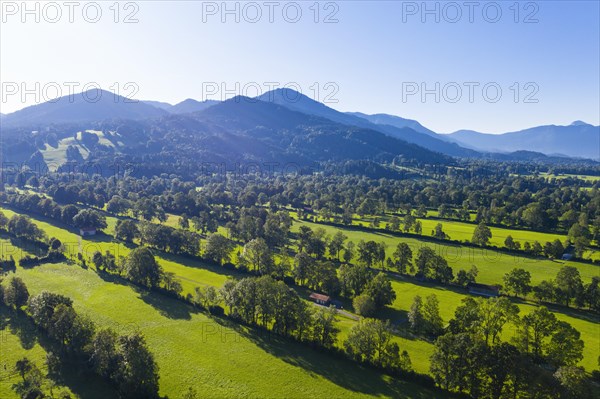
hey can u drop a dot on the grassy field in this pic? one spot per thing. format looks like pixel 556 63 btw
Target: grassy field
pixel 587 178
pixel 57 156
pixel 8 249
pixel 450 299
pixel 462 231
pixel 16 342
pixel 492 265
pixel 192 273
pixel 212 355
pixel 18 339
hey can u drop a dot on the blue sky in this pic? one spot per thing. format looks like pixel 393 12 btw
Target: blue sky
pixel 378 56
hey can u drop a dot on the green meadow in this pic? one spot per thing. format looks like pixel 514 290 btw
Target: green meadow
pixel 218 358
pixel 18 339
pixel 55 156
pixel 492 265
pixel 462 231
pixel 586 178
pixel 16 343
pixel 191 272
pixel 587 324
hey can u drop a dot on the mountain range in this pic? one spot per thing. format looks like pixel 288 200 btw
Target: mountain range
pixel 578 139
pixel 249 115
pixel 90 106
pixel 396 121
pixel 246 129
pixel 301 103
pixel 184 107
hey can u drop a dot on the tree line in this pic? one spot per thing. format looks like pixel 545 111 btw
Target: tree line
pixel 496 197
pixel 124 361
pixel 539 361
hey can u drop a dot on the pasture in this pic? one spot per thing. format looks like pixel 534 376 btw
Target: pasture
pixel 492 264
pixel 218 358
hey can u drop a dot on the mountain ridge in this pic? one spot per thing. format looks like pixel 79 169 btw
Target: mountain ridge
pixel 578 140
pixel 301 103
pixel 396 121
pixel 92 105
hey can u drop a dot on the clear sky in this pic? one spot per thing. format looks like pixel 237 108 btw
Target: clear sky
pixel 372 57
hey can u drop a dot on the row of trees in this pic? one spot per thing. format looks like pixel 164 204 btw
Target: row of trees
pixel 68 214
pixel 140 267
pixel 272 304
pixel 539 362
pixel 124 360
pixel 22 227
pixel 498 198
pixel 565 289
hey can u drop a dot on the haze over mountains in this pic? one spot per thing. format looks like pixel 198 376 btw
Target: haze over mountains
pixel 288 107
pixel 392 120
pixel 184 107
pixel 576 140
pixel 310 137
pixel 91 106
pixel 301 103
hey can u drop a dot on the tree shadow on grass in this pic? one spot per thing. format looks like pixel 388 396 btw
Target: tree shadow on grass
pixel 585 315
pixel 198 264
pixel 80 380
pixel 18 325
pixel 333 367
pixel 581 314
pixel 397 317
pixel 101 237
pixel 112 278
pixel 167 307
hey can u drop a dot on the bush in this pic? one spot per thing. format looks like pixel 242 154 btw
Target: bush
pixel 52 257
pixel 229 266
pixel 6 265
pixel 216 310
pixel 288 280
pixel 28 260
pixel 364 305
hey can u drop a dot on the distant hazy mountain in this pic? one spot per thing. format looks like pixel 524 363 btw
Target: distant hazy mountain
pixel 576 140
pixel 301 103
pixel 285 125
pixel 291 135
pixel 191 105
pixel 80 108
pixel 184 107
pixel 396 121
pixel 159 104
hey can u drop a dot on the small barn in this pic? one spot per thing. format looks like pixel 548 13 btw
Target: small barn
pixel 320 299
pixel 489 291
pixel 87 231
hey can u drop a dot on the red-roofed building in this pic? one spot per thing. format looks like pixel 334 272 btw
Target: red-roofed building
pixel 320 299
